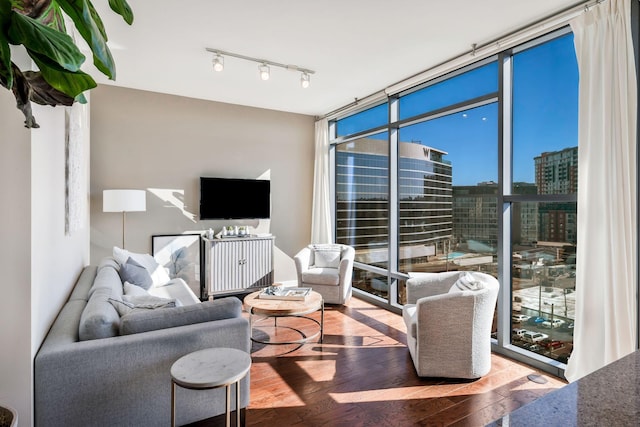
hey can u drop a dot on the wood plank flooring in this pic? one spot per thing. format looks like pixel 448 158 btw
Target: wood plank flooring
pixel 362 375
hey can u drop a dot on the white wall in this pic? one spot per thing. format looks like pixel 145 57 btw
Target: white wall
pixel 39 262
pixel 15 259
pixel 144 140
pixel 56 258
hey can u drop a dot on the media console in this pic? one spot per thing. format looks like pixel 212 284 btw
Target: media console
pixel 238 264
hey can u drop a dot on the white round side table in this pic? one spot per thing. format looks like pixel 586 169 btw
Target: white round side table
pixel 207 369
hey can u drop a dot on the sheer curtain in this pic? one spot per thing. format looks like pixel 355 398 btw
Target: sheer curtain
pixel 605 324
pixel 321 209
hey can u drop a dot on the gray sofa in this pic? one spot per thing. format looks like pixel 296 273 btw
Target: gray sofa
pixel 120 376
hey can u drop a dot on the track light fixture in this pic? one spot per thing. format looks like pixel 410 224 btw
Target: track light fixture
pixel 305 80
pixel 218 62
pixel 263 65
pixel 264 71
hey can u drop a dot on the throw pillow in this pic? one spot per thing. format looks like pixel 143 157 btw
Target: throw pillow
pixel 131 289
pixel 130 303
pixel 326 256
pixel 158 273
pixel 466 282
pixel 132 272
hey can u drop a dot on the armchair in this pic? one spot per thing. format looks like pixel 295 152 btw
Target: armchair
pixel 448 318
pixel 328 270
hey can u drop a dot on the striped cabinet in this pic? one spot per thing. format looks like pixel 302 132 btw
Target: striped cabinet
pixel 238 264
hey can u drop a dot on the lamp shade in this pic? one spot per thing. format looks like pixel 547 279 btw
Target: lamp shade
pixel 124 200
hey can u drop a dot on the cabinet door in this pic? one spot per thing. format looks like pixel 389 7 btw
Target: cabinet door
pixel 227 262
pixel 258 267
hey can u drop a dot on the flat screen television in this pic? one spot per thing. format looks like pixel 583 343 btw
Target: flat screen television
pixel 234 198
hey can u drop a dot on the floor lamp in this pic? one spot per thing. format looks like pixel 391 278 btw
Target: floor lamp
pixel 124 201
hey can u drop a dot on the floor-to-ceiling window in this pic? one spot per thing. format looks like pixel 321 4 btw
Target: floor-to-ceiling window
pixel 423 182
pixel 544 188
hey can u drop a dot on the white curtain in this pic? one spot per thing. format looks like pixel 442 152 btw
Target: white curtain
pixel 321 209
pixel 605 324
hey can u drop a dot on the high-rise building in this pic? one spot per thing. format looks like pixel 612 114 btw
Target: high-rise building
pixel 557 173
pixel 362 198
pixel 475 216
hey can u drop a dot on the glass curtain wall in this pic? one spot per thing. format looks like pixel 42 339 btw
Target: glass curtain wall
pixel 543 196
pixel 475 170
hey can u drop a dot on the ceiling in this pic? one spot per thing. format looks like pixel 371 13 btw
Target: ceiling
pixel 356 47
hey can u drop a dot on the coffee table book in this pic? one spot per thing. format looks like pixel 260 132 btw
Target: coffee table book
pixel 287 294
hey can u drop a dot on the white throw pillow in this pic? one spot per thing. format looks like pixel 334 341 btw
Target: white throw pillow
pixel 158 273
pixel 133 290
pixel 466 282
pixel 326 256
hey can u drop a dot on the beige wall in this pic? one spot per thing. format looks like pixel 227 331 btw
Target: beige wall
pixel 40 263
pixel 164 143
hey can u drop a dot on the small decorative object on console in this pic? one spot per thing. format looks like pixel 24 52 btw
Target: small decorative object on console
pixel 282 293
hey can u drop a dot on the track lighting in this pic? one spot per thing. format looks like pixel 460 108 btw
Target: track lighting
pixel 305 80
pixel 263 65
pixel 218 62
pixel 264 71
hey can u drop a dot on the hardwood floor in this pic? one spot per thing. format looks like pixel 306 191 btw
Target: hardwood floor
pixel 362 375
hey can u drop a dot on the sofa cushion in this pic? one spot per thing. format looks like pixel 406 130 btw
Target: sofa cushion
pixel 132 272
pixel 158 274
pixel 150 320
pixel 321 276
pixel 99 318
pixel 109 261
pixel 107 278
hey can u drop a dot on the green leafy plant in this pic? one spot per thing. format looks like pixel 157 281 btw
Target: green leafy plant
pixel 39 26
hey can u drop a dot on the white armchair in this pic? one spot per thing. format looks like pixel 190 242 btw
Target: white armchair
pixel 448 318
pixel 328 270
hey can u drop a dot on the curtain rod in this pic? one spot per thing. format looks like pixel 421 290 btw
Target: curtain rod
pixel 477 52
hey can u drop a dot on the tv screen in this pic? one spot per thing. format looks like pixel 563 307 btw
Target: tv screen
pixel 233 198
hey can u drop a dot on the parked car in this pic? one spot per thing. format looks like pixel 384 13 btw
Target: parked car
pixel 534 347
pixel 551 344
pixel 534 337
pixel 518 333
pixel 567 327
pixel 518 318
pixel 536 320
pixel 555 323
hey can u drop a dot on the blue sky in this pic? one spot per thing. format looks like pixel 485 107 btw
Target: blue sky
pixel 545 114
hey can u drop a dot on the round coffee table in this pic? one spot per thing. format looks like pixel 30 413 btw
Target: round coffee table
pixel 285 308
pixel 207 369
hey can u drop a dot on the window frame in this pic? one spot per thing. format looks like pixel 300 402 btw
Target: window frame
pixel 505 197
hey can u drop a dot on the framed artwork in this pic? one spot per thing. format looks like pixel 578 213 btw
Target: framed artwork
pixel 180 255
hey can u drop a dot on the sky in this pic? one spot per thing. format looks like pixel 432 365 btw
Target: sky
pixel 544 117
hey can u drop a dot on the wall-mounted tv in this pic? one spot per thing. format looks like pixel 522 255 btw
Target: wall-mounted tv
pixel 234 198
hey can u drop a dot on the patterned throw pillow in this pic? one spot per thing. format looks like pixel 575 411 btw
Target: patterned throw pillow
pixel 466 282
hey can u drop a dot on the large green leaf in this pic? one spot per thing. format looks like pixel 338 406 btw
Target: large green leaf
pixel 57 46
pixel 42 93
pixel 122 8
pixel 52 17
pixel 71 83
pixel 6 74
pixel 80 12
